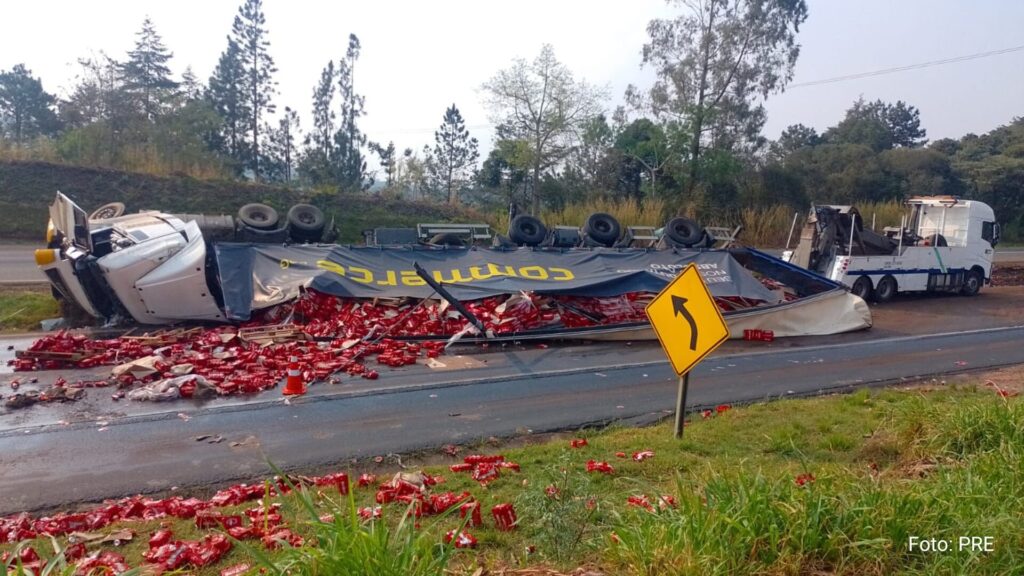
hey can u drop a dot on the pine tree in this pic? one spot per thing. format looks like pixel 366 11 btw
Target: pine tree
pixel 191 89
pixel 348 141
pixel 26 110
pixel 317 157
pixel 250 34
pixel 388 160
pixel 281 147
pixel 454 153
pixel 227 97
pixel 146 74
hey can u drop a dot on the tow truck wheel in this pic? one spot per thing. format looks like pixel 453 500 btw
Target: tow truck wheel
pixel 862 288
pixel 972 283
pixel 886 289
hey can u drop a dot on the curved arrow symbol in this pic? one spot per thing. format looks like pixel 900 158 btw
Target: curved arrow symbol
pixel 679 307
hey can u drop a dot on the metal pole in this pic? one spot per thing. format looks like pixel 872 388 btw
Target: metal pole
pixel 853 226
pixel 684 384
pixel 792 227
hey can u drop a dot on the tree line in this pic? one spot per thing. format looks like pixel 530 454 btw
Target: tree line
pixel 693 139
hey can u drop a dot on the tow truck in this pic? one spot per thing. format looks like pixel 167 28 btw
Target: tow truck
pixel 943 244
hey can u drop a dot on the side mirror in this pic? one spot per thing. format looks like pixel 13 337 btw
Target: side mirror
pixel 995 234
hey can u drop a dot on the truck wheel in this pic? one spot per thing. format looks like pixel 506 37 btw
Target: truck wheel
pixel 603 228
pixel 108 210
pixel 525 229
pixel 972 283
pixel 684 232
pixel 258 216
pixel 886 289
pixel 862 288
pixel 306 223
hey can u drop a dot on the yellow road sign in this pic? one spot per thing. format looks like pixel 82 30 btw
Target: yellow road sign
pixel 687 320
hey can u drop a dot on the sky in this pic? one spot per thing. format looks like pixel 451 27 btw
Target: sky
pixel 420 57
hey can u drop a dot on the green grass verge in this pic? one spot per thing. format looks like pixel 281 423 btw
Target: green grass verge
pixel 886 466
pixel 21 310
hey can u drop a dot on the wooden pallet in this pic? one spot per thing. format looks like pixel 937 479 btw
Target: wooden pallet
pixel 276 334
pixel 164 337
pixel 49 355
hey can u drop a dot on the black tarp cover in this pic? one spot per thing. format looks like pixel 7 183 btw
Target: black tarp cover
pixel 256 276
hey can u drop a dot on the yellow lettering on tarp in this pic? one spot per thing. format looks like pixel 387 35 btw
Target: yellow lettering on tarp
pixel 492 271
pixel 367 276
pixel 457 277
pixel 563 274
pixel 392 279
pixel 534 272
pixel 331 267
pixel 411 278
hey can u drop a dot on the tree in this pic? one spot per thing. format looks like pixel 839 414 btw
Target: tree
pixel 319 143
pixel 506 171
pixel 593 166
pixel 904 123
pixel 388 162
pixel 879 126
pixel 281 147
pixel 793 138
pixel 348 140
pixel 191 88
pixel 645 144
pixel 146 74
pixel 249 32
pixel 455 153
pixel 542 104
pixel 714 62
pixel 226 94
pixel 26 109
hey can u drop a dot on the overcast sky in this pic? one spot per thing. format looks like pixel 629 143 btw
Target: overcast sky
pixel 419 56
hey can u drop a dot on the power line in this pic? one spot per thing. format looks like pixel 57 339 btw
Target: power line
pixel 908 67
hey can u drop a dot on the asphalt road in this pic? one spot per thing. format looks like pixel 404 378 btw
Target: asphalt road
pixel 45 465
pixel 18 266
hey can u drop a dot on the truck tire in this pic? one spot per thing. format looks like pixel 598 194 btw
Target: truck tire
pixel 972 283
pixel 862 288
pixel 258 216
pixel 108 210
pixel 886 289
pixel 527 230
pixel 306 223
pixel 684 232
pixel 447 239
pixel 257 236
pixel 603 228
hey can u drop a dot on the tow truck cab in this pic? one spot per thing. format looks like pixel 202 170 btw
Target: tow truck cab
pixel 150 265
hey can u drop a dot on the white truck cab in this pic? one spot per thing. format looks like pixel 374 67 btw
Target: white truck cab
pixel 944 244
pixel 150 265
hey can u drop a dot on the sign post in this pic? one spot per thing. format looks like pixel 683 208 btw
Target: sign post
pixel 689 326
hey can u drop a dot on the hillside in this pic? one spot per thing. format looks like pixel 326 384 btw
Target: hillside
pixel 27 188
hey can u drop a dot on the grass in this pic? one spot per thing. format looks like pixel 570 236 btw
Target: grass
pixel 21 310
pixel 885 465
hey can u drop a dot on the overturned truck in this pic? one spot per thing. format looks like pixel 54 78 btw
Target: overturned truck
pixel 156 268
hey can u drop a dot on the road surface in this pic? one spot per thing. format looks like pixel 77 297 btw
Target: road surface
pixel 18 266
pixel 48 464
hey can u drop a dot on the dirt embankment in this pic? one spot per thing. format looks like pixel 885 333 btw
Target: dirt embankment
pixel 1008 274
pixel 27 189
